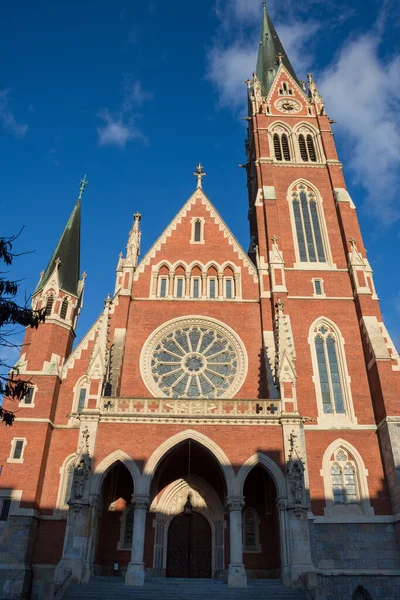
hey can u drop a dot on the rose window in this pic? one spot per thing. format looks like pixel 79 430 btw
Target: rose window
pixel 193 358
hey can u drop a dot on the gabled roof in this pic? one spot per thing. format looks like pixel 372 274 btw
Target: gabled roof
pixel 198 194
pixel 267 61
pixel 66 256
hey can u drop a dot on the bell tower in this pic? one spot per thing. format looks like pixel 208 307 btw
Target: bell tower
pixel 317 293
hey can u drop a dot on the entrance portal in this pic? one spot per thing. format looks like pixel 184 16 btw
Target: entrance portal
pixel 189 546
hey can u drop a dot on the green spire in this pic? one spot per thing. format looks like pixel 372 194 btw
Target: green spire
pixel 271 53
pixel 66 256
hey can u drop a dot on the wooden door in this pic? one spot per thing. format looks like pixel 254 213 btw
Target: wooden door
pixel 189 547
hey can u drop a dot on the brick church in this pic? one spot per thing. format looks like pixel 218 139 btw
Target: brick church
pixel 231 414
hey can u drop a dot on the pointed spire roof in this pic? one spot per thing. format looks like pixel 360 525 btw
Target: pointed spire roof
pixel 270 48
pixel 66 256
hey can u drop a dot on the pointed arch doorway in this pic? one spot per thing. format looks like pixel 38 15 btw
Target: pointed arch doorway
pixel 189 546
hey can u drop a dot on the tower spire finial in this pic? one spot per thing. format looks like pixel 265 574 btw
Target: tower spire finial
pixel 265 4
pixel 199 173
pixel 84 183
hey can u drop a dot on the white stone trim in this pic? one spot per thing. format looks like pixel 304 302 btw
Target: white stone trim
pixel 333 420
pixel 14 441
pixel 321 281
pixel 168 445
pixel 348 511
pixel 269 465
pixel 82 383
pixel 198 195
pixel 342 195
pixel 193 222
pixel 163 330
pixel 107 463
pixel 315 266
pixel 62 508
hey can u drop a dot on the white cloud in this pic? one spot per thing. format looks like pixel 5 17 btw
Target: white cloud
pixel 120 127
pixel 232 57
pixel 7 117
pixel 362 92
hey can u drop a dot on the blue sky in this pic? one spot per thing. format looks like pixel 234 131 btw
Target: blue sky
pixel 135 94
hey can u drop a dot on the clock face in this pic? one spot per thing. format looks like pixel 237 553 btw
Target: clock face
pixel 288 106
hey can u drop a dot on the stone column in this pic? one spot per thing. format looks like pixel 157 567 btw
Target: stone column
pixel 281 504
pixel 236 573
pixel 187 279
pixel 220 285
pixel 135 573
pixel 171 290
pixel 237 291
pixel 204 285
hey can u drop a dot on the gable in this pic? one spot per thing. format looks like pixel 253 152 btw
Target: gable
pixel 292 94
pixel 176 248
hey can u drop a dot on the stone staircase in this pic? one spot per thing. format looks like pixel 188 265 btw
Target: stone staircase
pixel 113 588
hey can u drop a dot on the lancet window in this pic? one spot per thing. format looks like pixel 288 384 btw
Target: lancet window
pixel 307 148
pixel 49 305
pixel 329 371
pixel 196 282
pixel 127 528
pixel 281 147
pixel 343 478
pixel 308 226
pixel 64 309
pixel 250 531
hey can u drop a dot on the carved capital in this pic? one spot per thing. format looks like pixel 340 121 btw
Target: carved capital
pixel 140 501
pixel 235 503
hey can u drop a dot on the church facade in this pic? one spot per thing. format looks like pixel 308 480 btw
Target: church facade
pixel 230 414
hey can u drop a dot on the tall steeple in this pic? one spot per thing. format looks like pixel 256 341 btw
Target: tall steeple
pixel 66 256
pixel 270 55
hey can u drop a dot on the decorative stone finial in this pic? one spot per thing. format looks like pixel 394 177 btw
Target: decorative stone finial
pixel 199 173
pixel 137 216
pixel 265 4
pixel 352 241
pixel 84 275
pixel 58 262
pixel 280 306
pixel 279 57
pixel 84 183
pixel 274 239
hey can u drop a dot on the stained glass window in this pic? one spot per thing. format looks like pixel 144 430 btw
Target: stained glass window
pixel 250 539
pixel 343 477
pixel 329 372
pixel 179 287
pixel 196 287
pixel 308 228
pixel 212 288
pixel 194 362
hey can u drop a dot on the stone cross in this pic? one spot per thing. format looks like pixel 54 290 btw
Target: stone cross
pixel 199 173
pixel 279 57
pixel 84 183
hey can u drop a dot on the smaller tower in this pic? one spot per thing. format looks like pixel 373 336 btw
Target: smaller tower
pixel 60 291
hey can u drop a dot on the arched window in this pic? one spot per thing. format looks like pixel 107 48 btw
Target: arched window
pixel 277 147
pixel 285 147
pixel 360 593
pixel 329 372
pixel 49 305
pixel 343 479
pixel 251 531
pixel 82 395
pixel 307 146
pixel 197 231
pixel 64 309
pixel 308 226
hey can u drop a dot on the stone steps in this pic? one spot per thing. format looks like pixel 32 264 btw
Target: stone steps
pixel 113 588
